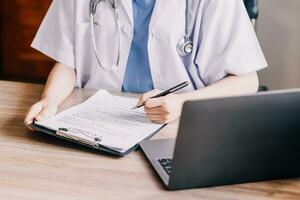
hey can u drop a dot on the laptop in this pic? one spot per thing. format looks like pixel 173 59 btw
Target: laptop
pixel 230 141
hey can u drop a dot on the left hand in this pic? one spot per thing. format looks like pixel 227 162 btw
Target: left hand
pixel 162 110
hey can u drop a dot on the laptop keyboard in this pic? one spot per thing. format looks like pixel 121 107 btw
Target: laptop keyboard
pixel 166 164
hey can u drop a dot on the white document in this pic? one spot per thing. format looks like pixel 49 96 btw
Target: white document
pixel 105 118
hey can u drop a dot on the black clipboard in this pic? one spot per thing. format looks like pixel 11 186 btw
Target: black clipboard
pixel 97 147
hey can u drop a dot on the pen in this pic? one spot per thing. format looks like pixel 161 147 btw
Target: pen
pixel 165 93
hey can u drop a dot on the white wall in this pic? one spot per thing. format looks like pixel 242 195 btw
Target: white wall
pixel 279 34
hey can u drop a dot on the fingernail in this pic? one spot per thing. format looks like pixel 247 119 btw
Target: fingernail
pixel 38 118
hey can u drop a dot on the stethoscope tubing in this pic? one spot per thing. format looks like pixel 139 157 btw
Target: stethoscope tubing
pixel 93 9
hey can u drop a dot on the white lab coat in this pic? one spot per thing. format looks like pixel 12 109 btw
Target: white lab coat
pixel 224 42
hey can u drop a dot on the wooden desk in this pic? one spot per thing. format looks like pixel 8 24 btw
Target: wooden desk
pixel 37 166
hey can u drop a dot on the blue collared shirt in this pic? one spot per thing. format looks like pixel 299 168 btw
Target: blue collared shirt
pixel 138 77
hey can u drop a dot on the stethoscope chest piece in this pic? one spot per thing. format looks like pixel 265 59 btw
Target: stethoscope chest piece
pixel 185 47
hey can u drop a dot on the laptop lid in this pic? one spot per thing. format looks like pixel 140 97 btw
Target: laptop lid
pixel 236 140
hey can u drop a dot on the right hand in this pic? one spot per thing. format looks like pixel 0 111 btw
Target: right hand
pixel 40 111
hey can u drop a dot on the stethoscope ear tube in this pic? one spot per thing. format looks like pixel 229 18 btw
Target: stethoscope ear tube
pixel 94 39
pixel 93 9
pixel 93 6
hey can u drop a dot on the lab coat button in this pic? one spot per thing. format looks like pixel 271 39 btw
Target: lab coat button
pixel 127 29
pixel 157 76
pixel 152 34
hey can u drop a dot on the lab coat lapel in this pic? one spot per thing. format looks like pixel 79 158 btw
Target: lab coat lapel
pixel 160 5
pixel 127 4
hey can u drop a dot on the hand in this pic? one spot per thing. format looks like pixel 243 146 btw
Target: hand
pixel 162 110
pixel 40 111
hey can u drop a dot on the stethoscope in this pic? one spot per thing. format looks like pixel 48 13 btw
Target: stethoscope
pixel 184 46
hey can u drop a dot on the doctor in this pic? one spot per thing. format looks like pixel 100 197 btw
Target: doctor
pixel 144 46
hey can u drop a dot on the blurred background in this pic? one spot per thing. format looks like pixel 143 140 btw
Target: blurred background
pixel 278 29
pixel 20 20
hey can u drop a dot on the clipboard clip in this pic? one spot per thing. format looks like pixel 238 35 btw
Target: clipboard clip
pixel 88 140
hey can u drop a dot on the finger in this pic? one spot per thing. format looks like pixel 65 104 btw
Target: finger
pixel 154 115
pixel 154 111
pixel 33 111
pixel 30 128
pixel 158 121
pixel 161 118
pixel 155 102
pixel 148 95
pixel 46 113
pixel 155 118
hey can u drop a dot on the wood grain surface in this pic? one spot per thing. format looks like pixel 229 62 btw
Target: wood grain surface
pixel 38 166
